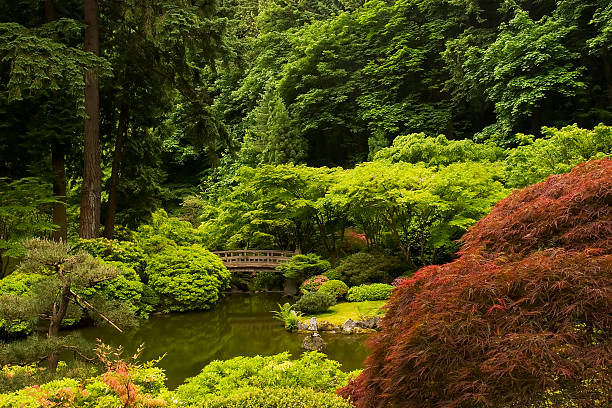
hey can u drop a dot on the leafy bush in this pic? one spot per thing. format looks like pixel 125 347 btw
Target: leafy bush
pixel 333 274
pixel 164 231
pixel 557 152
pixel 315 302
pixel 126 289
pixel 313 284
pixel 121 385
pixel 436 151
pixel 17 284
pixel 336 288
pixel 287 315
pixel 375 291
pixel 364 267
pixel 290 397
pixel 528 302
pixel 312 371
pixel 187 277
pixel 126 252
pixel 302 267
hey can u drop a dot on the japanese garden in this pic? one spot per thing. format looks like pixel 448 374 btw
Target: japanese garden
pixel 306 204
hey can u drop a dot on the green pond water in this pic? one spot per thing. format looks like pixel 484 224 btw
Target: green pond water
pixel 240 325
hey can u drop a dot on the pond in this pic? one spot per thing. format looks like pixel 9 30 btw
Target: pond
pixel 240 325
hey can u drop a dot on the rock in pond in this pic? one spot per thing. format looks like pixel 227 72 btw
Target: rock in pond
pixel 313 324
pixel 314 342
pixel 302 326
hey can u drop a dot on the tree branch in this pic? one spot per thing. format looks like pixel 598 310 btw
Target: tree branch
pixel 88 305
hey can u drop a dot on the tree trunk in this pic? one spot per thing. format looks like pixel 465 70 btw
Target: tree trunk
pixel 536 121
pixel 111 209
pixel 608 72
pixel 57 315
pixel 92 172
pixel 49 11
pixel 58 162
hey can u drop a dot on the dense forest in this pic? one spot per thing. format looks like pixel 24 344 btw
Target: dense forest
pixel 369 140
pixel 181 93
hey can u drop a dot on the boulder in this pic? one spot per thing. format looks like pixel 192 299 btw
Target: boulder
pixel 348 326
pixel 312 326
pixel 326 326
pixel 314 342
pixel 368 322
pixel 302 326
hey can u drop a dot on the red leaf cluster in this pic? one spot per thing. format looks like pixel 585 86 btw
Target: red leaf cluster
pixel 525 310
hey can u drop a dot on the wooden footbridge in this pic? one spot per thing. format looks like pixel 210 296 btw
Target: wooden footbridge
pixel 253 260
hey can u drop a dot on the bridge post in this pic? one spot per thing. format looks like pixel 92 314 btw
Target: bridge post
pixel 290 286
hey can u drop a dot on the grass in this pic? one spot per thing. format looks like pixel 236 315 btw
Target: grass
pixel 341 312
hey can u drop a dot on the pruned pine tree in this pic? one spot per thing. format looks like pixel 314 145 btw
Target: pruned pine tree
pixel 58 297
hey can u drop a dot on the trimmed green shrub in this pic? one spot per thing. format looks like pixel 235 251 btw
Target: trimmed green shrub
pixel 312 371
pixel 315 302
pixel 187 277
pixel 302 267
pixel 333 274
pixel 313 284
pixel 126 252
pixel 363 267
pixel 252 397
pixel 375 291
pixel 336 288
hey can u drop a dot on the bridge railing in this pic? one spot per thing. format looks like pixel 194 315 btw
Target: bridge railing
pixel 254 257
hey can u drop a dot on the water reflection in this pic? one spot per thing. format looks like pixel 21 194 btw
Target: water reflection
pixel 240 324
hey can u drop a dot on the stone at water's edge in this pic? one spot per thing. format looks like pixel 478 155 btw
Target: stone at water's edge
pixel 348 326
pixel 313 324
pixel 368 322
pixel 314 342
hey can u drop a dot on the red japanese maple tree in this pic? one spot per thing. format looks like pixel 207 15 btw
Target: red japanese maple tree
pixel 522 316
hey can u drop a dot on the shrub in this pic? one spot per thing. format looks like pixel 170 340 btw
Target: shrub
pixel 333 274
pixel 556 152
pixel 127 289
pixel 312 371
pixel 126 252
pixel 315 302
pixel 164 231
pixel 187 277
pixel 251 397
pixel 375 291
pixel 527 303
pixel 121 385
pixel 336 288
pixel 302 267
pixel 364 267
pixel 313 284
